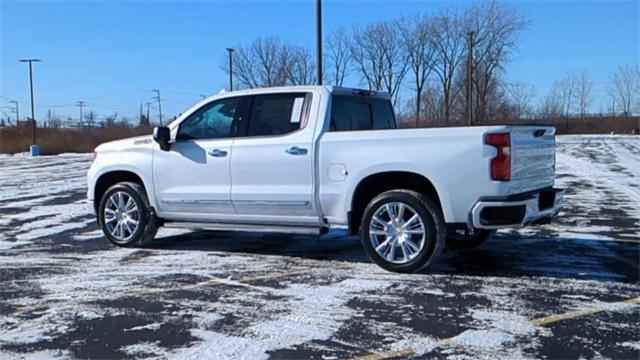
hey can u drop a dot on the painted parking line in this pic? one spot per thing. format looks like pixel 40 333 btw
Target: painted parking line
pixel 612 306
pixel 386 355
pixel 208 282
pixel 546 320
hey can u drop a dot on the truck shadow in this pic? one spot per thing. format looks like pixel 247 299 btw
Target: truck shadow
pixel 505 255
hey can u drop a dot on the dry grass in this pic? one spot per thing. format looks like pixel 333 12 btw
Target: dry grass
pixel 588 125
pixel 56 141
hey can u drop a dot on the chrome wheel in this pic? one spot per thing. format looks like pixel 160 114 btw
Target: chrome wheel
pixel 397 232
pixel 121 216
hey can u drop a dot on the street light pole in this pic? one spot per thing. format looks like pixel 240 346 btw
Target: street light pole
pixel 230 50
pixel 470 45
pixel 33 115
pixel 319 40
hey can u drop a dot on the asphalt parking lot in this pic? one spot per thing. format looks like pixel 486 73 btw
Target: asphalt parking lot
pixel 566 290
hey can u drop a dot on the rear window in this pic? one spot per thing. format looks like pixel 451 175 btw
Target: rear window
pixel 350 113
pixel 276 114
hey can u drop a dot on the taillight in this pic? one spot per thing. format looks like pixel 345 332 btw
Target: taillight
pixel 501 164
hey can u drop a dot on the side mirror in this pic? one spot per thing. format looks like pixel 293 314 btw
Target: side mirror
pixel 162 136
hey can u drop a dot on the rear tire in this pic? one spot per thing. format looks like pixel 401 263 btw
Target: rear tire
pixel 126 217
pixel 406 221
pixel 462 239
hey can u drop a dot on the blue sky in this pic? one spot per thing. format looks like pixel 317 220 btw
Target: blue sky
pixel 111 54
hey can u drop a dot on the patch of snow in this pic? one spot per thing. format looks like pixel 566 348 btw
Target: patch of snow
pixel 153 326
pixel 635 345
pixel 483 338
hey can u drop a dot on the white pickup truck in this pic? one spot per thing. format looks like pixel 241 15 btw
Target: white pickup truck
pixel 303 159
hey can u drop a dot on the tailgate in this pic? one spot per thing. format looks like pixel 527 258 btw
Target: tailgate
pixel 533 157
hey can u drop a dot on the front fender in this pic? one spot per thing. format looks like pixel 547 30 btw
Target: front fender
pixel 138 162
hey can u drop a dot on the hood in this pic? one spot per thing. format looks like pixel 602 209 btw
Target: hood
pixel 128 143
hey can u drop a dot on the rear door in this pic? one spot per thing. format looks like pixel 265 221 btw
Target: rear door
pixel 272 163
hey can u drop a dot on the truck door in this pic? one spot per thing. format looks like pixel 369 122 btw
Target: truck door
pixel 193 180
pixel 272 164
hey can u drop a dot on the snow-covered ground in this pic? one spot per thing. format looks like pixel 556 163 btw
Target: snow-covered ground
pixel 65 292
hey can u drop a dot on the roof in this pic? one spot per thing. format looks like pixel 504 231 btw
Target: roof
pixel 330 88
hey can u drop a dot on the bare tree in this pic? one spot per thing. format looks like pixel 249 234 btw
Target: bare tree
pixel 625 88
pixel 260 64
pixel 378 52
pixel 449 44
pixel 271 62
pixel 338 56
pixel 497 27
pixel 431 102
pixel 550 106
pixel 416 34
pixel 521 97
pixel 110 120
pixel 301 67
pixel 243 67
pixel 562 94
pixel 90 117
pixel 583 93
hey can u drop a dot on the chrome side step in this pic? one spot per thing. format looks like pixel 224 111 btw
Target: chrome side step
pixel 248 227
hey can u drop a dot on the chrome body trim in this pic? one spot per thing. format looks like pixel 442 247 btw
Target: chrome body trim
pixel 248 227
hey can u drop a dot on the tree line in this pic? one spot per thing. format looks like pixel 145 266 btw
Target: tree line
pixel 425 59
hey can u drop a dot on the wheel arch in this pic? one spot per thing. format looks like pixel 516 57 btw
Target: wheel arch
pixel 109 178
pixel 377 183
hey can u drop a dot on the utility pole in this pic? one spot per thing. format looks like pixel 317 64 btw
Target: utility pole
pixel 613 116
pixel 16 110
pixel 81 104
pixel 157 97
pixel 148 120
pixel 470 77
pixel 230 50
pixel 319 40
pixel 33 115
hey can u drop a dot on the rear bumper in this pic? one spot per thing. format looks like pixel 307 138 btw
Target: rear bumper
pixel 516 211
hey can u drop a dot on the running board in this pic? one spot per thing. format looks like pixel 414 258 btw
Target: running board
pixel 248 227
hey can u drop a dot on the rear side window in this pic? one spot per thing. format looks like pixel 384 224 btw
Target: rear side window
pixel 350 113
pixel 276 114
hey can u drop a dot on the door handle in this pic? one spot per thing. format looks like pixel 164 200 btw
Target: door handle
pixel 294 150
pixel 218 153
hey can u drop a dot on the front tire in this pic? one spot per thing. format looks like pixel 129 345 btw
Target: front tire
pixel 126 217
pixel 402 230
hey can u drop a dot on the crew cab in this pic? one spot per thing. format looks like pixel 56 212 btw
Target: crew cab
pixel 304 159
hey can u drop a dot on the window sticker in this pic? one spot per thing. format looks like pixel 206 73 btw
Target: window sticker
pixel 296 112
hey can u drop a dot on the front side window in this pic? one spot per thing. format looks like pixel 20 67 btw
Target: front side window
pixel 276 114
pixel 213 121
